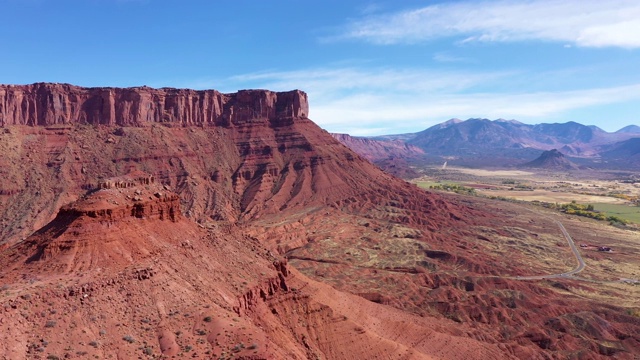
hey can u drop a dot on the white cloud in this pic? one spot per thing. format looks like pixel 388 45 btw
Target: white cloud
pixel 379 101
pixel 585 23
pixel 328 82
pixel 421 111
pixel 445 57
pixel 371 8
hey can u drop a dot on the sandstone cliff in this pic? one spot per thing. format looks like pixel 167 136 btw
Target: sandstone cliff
pixel 48 104
pixel 232 157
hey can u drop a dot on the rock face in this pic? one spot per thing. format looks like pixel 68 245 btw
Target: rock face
pixel 48 104
pixel 552 160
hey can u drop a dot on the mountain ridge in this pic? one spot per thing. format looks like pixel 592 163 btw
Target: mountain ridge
pixel 483 142
pixel 630 129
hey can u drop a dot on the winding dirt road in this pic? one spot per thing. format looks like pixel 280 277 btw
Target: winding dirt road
pixel 575 251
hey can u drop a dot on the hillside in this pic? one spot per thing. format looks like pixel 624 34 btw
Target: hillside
pixel 119 272
pixel 624 153
pixel 635 129
pixel 392 156
pixel 551 160
pixel 376 150
pixel 145 222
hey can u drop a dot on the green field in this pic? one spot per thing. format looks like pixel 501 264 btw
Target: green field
pixel 631 213
pixel 427 184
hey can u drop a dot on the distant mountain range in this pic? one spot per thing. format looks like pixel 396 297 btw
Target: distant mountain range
pixel 627 152
pixel 633 129
pixel 483 142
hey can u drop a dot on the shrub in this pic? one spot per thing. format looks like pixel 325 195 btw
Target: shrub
pixel 238 348
pixel 129 339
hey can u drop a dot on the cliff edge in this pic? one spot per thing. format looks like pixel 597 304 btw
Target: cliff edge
pixel 48 104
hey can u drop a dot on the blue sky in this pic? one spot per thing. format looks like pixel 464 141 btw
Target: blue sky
pixel 369 67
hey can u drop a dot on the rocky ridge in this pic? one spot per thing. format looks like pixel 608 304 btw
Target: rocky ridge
pixel 46 104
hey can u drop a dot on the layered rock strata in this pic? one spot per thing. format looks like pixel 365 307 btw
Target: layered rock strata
pixel 48 104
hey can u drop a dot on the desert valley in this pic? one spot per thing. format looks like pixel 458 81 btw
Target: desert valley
pixel 325 180
pixel 172 223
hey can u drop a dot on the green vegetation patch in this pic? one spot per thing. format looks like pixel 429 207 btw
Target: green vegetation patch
pixel 629 213
pixel 430 184
pixel 613 213
pixel 458 189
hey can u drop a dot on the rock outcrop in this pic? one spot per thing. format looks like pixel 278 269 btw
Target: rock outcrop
pixel 107 228
pixel 119 199
pixel 48 104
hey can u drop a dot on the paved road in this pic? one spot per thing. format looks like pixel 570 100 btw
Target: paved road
pixel 580 266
